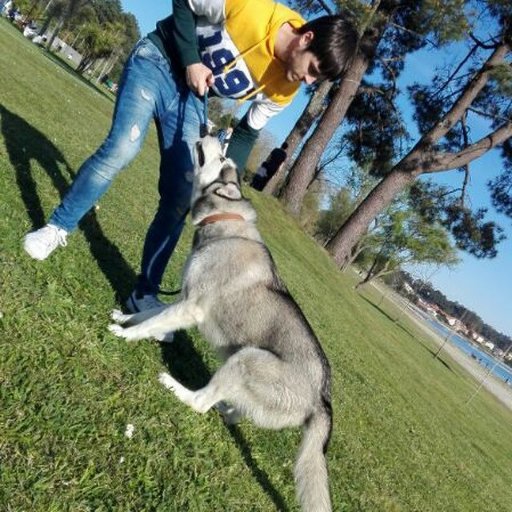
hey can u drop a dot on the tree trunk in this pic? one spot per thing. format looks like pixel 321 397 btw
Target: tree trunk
pixel 423 158
pixel 303 169
pixel 86 62
pixel 56 31
pixel 357 224
pixel 354 253
pixel 46 25
pixel 372 274
pixel 302 172
pixel 369 274
pixel 309 115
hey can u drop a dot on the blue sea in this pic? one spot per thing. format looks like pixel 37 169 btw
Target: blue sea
pixel 500 370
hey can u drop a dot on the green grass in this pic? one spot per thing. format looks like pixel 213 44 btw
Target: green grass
pixel 403 440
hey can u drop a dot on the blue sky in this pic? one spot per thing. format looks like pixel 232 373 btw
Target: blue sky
pixel 484 286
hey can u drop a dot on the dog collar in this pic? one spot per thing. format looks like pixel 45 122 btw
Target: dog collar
pixel 216 217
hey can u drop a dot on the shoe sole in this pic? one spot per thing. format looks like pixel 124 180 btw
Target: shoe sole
pixel 34 256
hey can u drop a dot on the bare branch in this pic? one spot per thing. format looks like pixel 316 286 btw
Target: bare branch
pixel 467 97
pixel 466 167
pixel 325 7
pixel 392 73
pixel 400 27
pixel 438 162
pixel 370 90
pixel 483 45
pixel 486 114
pixel 456 71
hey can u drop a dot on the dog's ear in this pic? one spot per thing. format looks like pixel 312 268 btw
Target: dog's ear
pixel 229 172
pixel 229 191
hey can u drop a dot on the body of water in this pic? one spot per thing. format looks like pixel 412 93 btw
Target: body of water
pixel 501 370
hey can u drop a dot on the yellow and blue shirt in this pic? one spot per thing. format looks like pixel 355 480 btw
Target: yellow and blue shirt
pixel 235 39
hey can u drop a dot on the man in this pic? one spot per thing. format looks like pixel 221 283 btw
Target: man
pixel 269 167
pixel 244 49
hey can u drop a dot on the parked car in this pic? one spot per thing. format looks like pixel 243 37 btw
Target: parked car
pixel 30 30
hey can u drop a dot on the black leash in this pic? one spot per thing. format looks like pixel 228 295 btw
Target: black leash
pixel 203 115
pixel 203 131
pixel 168 292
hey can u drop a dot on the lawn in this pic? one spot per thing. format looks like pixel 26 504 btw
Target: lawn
pixel 404 438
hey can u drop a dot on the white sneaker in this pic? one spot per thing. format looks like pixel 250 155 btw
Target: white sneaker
pixel 136 303
pixel 41 243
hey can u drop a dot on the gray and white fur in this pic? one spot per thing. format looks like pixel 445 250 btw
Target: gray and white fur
pixel 275 371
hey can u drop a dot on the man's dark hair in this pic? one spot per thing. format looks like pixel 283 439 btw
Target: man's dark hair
pixel 334 44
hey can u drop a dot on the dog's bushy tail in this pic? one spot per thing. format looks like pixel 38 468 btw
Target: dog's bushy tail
pixel 311 476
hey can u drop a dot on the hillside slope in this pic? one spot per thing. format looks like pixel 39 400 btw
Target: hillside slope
pixel 403 438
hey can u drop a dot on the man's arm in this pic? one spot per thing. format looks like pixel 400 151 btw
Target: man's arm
pixel 198 76
pixel 241 144
pixel 246 132
pixel 185 33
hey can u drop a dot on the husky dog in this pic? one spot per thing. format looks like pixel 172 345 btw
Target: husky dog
pixel 275 371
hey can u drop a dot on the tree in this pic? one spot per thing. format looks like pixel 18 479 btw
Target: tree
pixel 340 207
pixel 65 11
pixel 443 112
pixel 98 42
pixel 314 108
pixel 101 30
pixel 405 238
pixel 389 30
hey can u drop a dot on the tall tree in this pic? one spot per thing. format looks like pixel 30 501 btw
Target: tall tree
pixel 98 42
pixel 316 105
pixel 66 10
pixel 479 86
pixel 390 29
pixel 405 238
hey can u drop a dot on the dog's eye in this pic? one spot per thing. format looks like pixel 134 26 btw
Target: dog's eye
pixel 200 154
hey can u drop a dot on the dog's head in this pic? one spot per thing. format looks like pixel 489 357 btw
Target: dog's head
pixel 213 172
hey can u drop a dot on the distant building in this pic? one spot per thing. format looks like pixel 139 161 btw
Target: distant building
pixel 408 288
pixel 477 337
pixel 489 345
pixel 429 308
pixel 58 45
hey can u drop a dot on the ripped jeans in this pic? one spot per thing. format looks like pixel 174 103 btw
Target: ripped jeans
pixel 149 89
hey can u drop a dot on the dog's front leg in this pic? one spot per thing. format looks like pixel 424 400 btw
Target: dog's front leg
pixel 173 318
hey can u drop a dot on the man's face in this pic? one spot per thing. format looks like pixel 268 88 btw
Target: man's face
pixel 302 65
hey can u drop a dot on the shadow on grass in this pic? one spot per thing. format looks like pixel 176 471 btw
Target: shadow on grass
pixel 69 69
pixel 186 366
pixel 437 355
pixel 391 319
pixel 26 144
pixel 396 322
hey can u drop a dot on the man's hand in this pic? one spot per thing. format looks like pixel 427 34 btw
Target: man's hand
pixel 199 78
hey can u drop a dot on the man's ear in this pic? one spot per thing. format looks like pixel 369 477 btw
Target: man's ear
pixel 306 38
pixel 229 191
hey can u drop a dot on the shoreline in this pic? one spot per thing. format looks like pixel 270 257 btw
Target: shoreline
pixel 484 379
pixel 481 375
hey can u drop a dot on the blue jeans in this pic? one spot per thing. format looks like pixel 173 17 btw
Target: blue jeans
pixel 148 90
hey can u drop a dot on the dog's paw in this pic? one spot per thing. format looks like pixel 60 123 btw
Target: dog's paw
pixel 166 380
pixel 119 317
pixel 165 338
pixel 230 414
pixel 116 329
pixel 126 333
